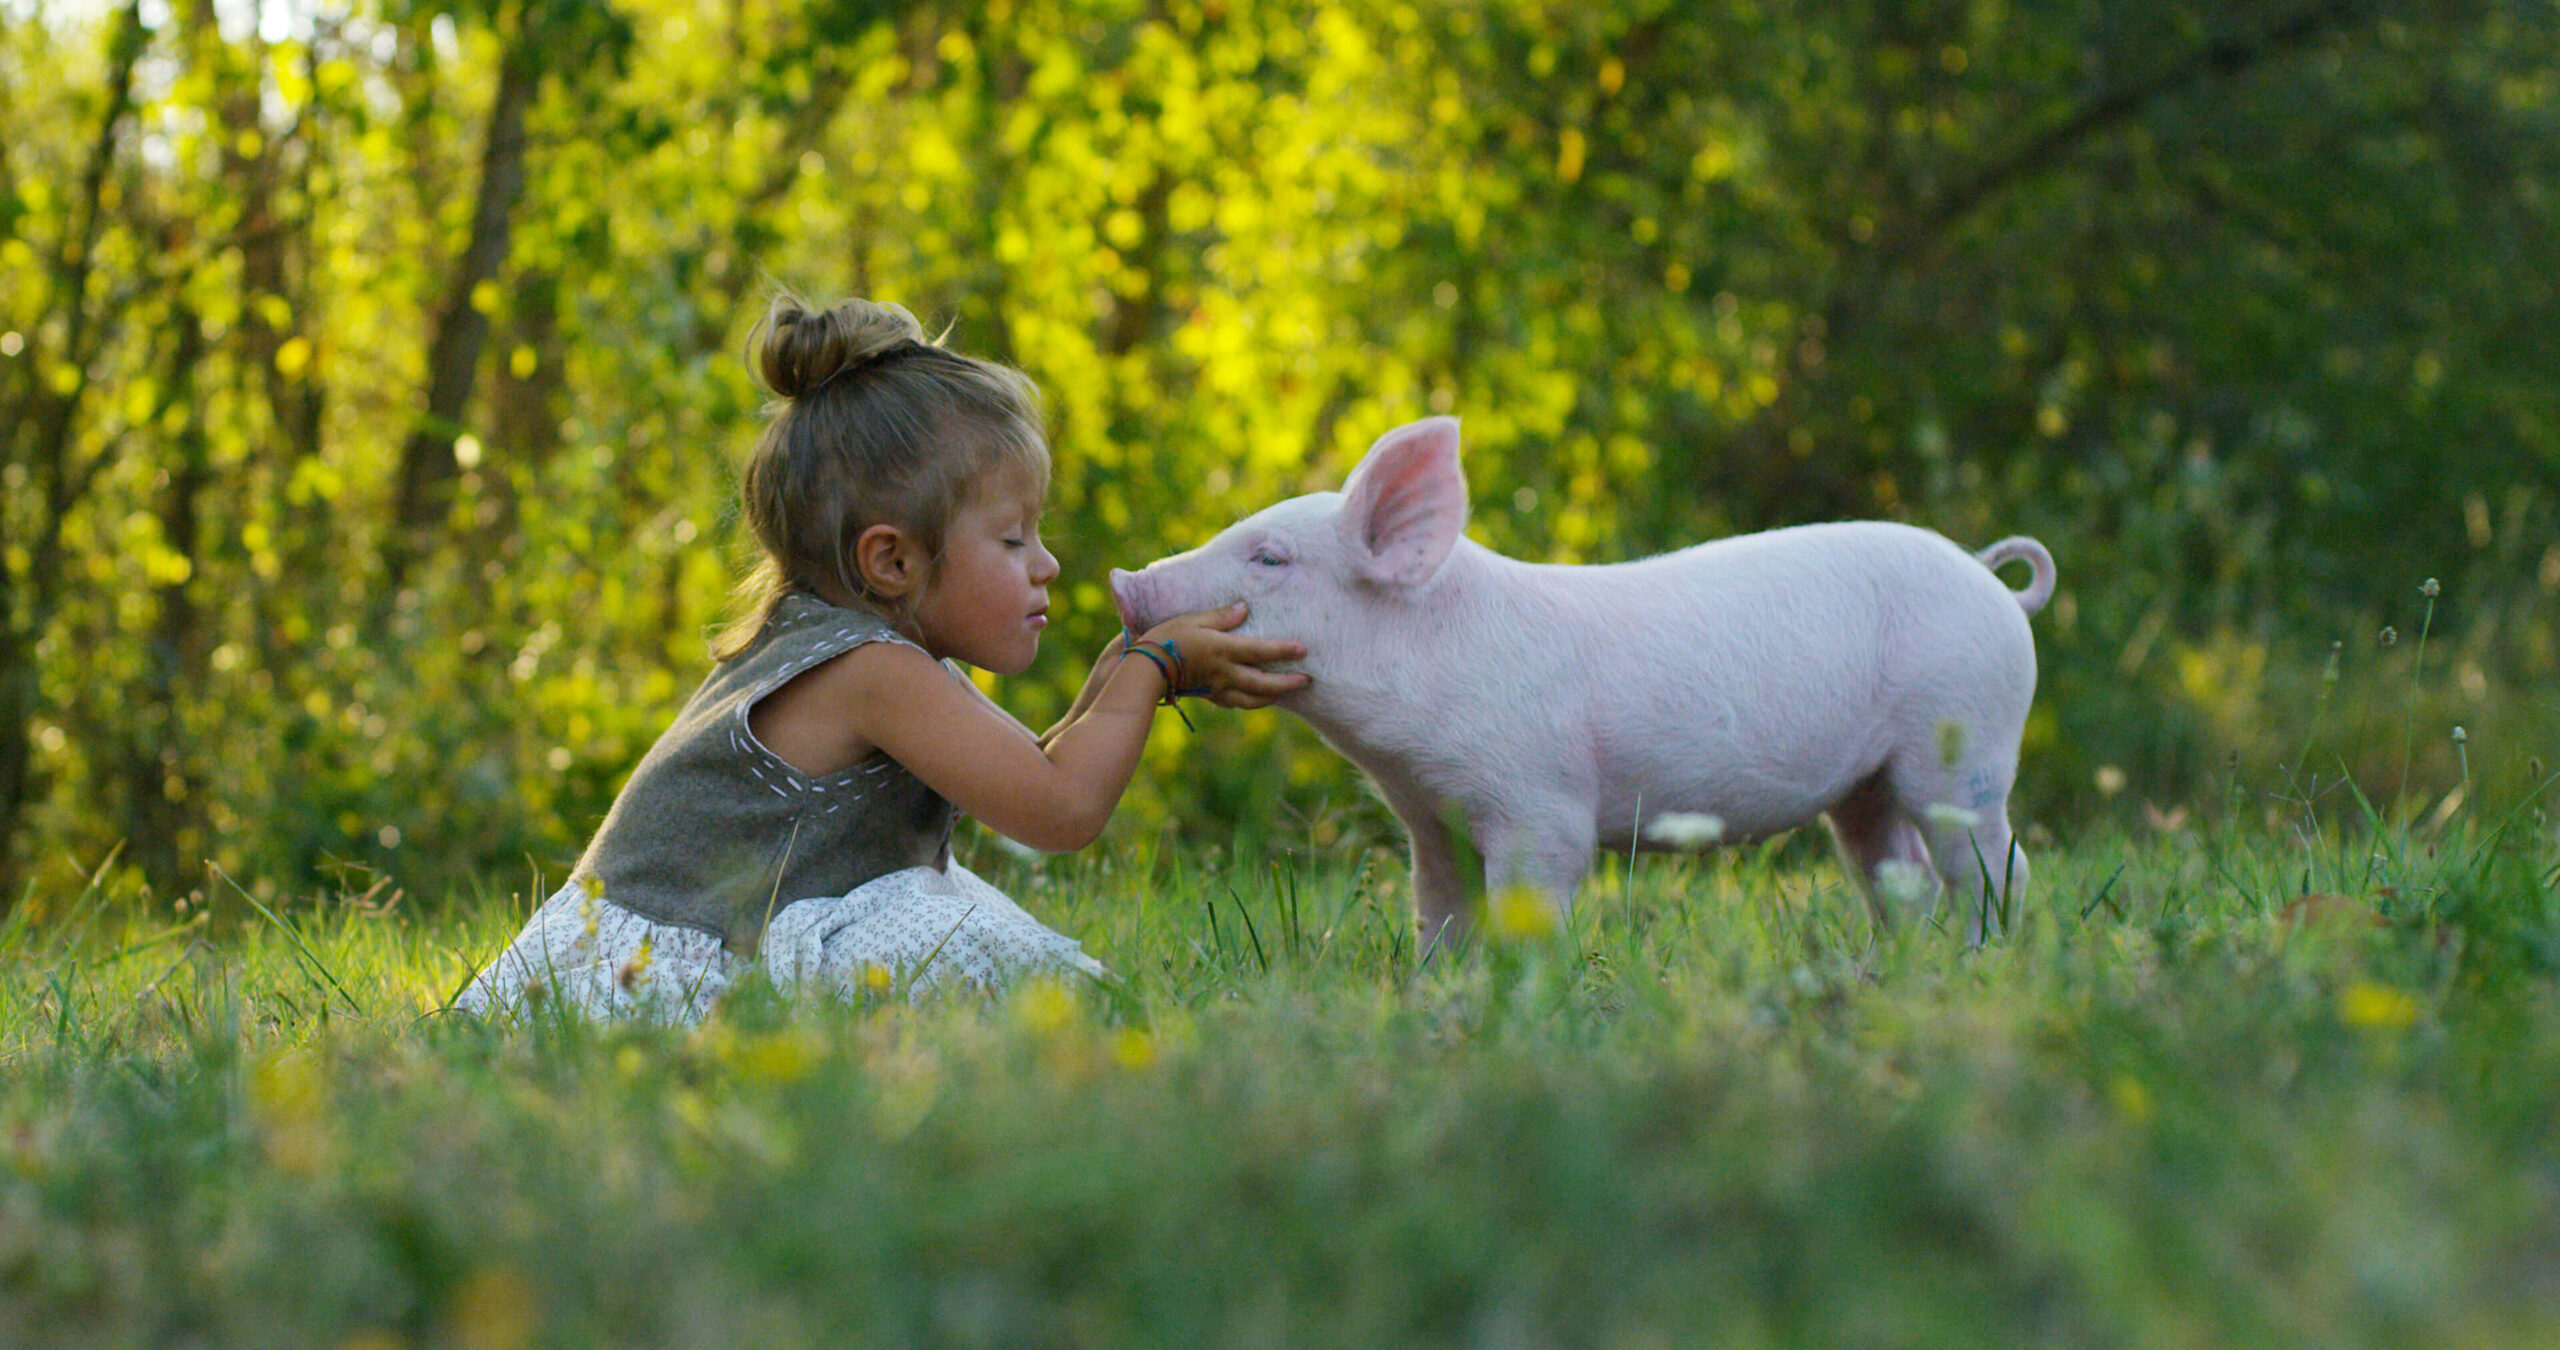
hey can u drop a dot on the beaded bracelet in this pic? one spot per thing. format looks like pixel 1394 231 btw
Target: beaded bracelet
pixel 1161 667
pixel 1182 664
pixel 1170 665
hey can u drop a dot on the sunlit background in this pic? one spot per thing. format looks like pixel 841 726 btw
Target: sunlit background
pixel 371 392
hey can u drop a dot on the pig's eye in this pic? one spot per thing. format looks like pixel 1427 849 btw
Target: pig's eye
pixel 1269 557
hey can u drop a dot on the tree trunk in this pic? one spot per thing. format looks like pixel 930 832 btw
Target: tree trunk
pixel 158 784
pixel 524 423
pixel 427 466
pixel 43 446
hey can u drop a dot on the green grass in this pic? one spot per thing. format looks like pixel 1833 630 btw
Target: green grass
pixel 2163 1111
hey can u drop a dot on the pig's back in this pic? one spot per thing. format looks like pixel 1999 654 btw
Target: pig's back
pixel 1763 675
pixel 1838 587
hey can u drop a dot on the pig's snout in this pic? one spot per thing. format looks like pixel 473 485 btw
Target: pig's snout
pixel 1126 588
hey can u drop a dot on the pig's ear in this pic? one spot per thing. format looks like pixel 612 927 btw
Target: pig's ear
pixel 1406 503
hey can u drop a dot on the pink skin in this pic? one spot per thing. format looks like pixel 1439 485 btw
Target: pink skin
pixel 1871 672
pixel 989 597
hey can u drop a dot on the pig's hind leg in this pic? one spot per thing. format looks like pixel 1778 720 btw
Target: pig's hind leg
pixel 1974 851
pixel 1882 852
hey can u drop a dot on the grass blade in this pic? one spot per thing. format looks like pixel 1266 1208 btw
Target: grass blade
pixel 300 946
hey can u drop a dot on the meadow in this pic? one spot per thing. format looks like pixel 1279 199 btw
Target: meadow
pixel 2218 1085
pixel 370 420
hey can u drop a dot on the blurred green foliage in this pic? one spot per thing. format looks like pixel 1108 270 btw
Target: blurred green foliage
pixel 370 392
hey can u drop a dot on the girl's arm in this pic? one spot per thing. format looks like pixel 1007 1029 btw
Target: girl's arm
pixel 1112 652
pixel 1054 795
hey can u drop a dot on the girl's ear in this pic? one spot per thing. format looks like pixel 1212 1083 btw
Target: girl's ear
pixel 1404 507
pixel 888 561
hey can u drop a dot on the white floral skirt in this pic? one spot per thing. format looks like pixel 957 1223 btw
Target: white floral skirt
pixel 920 929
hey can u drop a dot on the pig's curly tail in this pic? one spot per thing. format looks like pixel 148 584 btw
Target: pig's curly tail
pixel 2015 547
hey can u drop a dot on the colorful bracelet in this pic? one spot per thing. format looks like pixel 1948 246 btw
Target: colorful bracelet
pixel 1170 665
pixel 1161 668
pixel 1181 664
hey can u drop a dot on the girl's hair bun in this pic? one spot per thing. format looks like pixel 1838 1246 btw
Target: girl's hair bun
pixel 797 349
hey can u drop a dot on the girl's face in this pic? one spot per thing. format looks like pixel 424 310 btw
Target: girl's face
pixel 989 596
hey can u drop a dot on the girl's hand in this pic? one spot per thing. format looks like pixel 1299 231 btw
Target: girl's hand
pixel 1055 793
pixel 1216 659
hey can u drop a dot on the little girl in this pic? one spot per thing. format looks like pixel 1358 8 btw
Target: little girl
pixel 797 814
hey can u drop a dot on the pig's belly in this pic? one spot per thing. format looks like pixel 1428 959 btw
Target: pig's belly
pixel 1761 756
pixel 1753 797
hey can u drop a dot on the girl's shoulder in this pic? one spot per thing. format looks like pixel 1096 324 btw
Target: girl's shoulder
pixel 822 681
pixel 802 627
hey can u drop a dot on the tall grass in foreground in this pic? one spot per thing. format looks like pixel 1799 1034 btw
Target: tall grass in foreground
pixel 2214 1088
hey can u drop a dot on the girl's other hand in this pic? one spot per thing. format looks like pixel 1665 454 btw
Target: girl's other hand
pixel 1225 663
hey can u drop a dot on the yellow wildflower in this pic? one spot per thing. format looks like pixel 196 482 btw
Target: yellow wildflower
pixel 2130 1097
pixel 2376 1007
pixel 288 1097
pixel 783 1057
pixel 1135 1050
pixel 1044 1007
pixel 1521 912
pixel 494 1310
pixel 637 969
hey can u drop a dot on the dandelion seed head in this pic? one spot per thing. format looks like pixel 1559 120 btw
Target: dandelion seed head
pixel 1903 882
pixel 2460 736
pixel 1949 816
pixel 2428 588
pixel 2390 636
pixel 1685 830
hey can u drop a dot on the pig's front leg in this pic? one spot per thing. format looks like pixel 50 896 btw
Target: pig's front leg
pixel 1544 845
pixel 1439 893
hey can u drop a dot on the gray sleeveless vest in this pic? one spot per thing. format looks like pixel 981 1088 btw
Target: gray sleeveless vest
pixel 715 832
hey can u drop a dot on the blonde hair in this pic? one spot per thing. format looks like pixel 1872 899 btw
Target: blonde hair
pixel 877 424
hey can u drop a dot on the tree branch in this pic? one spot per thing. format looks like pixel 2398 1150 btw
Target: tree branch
pixel 2227 57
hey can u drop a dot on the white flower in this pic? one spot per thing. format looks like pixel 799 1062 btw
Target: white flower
pixel 1685 830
